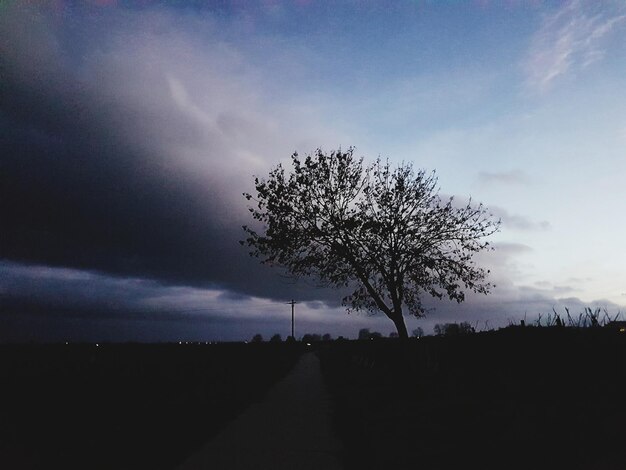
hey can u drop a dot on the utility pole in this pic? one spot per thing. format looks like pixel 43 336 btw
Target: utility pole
pixel 292 303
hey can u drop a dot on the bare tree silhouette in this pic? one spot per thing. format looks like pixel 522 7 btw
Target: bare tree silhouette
pixel 382 231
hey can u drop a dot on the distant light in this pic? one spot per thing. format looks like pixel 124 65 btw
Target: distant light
pixel 308 344
pixel 67 342
pixel 97 345
pixel 180 342
pixel 622 330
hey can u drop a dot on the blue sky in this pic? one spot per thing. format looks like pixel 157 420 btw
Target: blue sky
pixel 154 116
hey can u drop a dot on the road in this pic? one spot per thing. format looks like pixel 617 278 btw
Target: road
pixel 289 429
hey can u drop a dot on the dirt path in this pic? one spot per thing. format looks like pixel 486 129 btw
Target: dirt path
pixel 290 429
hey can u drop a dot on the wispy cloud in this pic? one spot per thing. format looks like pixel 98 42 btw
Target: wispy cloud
pixel 571 39
pixel 505 177
pixel 76 305
pixel 518 222
pixel 509 220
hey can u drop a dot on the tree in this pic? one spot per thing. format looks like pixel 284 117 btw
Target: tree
pixel 258 338
pixel 418 332
pixel 465 328
pixel 311 338
pixel 383 232
pixel 364 333
pixel 453 329
pixel 276 338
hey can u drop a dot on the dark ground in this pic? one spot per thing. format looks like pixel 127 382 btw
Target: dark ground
pixel 126 406
pixel 540 398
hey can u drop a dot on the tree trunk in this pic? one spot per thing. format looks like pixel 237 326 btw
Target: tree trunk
pixel 398 320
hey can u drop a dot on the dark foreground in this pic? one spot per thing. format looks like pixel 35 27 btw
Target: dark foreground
pixel 534 398
pixel 540 398
pixel 126 406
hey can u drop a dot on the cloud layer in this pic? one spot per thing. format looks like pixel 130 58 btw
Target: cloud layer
pixel 128 152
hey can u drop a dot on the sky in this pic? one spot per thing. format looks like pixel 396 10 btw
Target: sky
pixel 129 131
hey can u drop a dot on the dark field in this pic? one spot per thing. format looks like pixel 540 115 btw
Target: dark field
pixel 126 406
pixel 533 398
pixel 539 398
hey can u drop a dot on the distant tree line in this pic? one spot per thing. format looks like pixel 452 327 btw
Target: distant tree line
pixel 453 329
pixel 365 333
pixel 307 338
pixel 588 318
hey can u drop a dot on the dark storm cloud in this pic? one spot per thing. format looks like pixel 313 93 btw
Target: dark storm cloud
pixel 41 303
pixel 127 141
pixel 44 303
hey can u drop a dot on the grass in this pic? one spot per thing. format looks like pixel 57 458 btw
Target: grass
pixel 588 318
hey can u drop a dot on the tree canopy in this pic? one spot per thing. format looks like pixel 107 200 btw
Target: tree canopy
pixel 382 231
